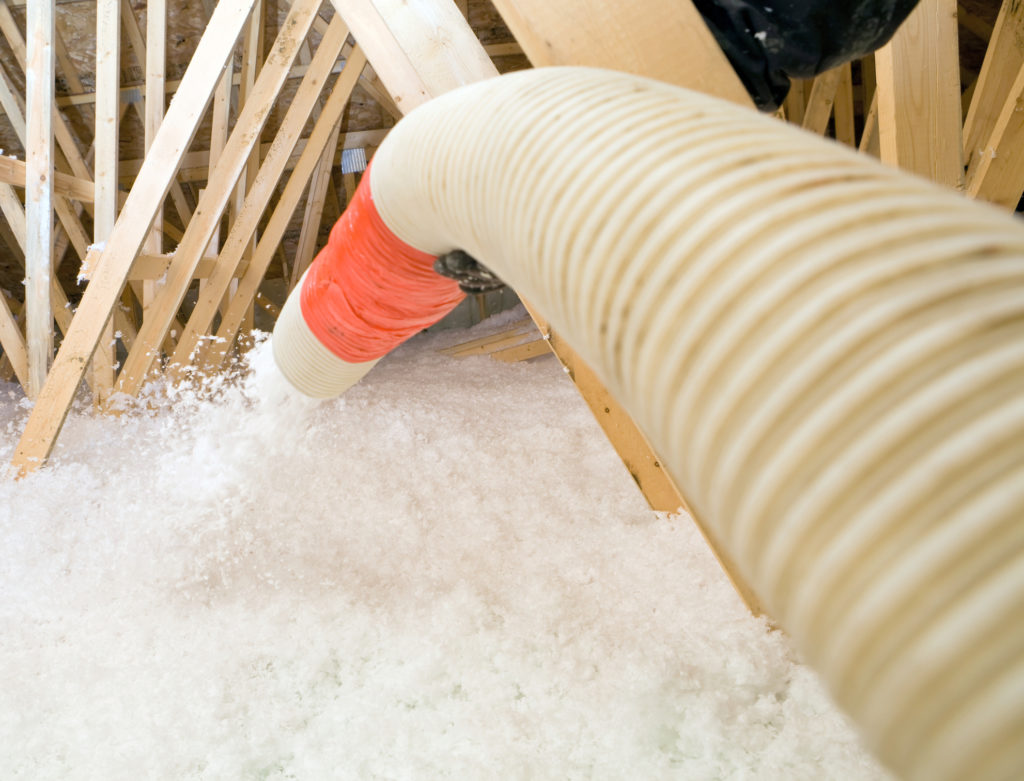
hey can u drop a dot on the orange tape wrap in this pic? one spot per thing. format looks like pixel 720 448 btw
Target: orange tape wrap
pixel 368 291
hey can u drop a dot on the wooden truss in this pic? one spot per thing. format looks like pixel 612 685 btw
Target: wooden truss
pixel 904 104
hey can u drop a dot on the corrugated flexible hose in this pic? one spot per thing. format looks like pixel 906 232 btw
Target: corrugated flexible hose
pixel 827 354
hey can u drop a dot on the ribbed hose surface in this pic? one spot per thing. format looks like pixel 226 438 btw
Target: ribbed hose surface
pixel 305 362
pixel 829 356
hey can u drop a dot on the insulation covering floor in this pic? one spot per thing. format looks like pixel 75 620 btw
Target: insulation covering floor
pixel 446 573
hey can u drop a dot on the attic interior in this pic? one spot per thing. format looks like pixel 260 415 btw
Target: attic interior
pixel 170 230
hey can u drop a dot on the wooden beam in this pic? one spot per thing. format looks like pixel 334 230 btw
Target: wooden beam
pixel 919 119
pixel 820 101
pixel 153 117
pixel 795 103
pixel 843 112
pixel 194 164
pixel 14 171
pixel 214 199
pixel 665 40
pixel 259 194
pixel 10 102
pixel 13 342
pixel 997 174
pixel 39 125
pixel 315 199
pixel 281 216
pixel 9 27
pixel 1003 61
pixel 108 74
pixel 371 84
pixel 148 267
pixel 151 187
pixel 133 32
pixel 419 49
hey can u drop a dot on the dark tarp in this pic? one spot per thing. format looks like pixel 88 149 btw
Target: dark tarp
pixel 772 41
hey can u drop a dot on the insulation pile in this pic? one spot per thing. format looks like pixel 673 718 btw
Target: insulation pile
pixel 445 573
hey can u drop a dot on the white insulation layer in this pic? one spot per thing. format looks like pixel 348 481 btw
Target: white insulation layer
pixel 827 354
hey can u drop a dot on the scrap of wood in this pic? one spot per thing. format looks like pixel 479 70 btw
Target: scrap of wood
pixel 514 334
pixel 523 352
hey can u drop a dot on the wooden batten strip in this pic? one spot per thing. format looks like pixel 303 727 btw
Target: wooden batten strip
pixel 151 187
pixel 215 197
pixel 248 285
pixel 1003 61
pixel 919 119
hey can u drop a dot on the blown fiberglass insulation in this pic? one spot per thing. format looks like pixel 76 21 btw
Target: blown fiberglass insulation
pixel 446 573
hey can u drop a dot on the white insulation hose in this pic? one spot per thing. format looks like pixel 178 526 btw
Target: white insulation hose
pixel 827 354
